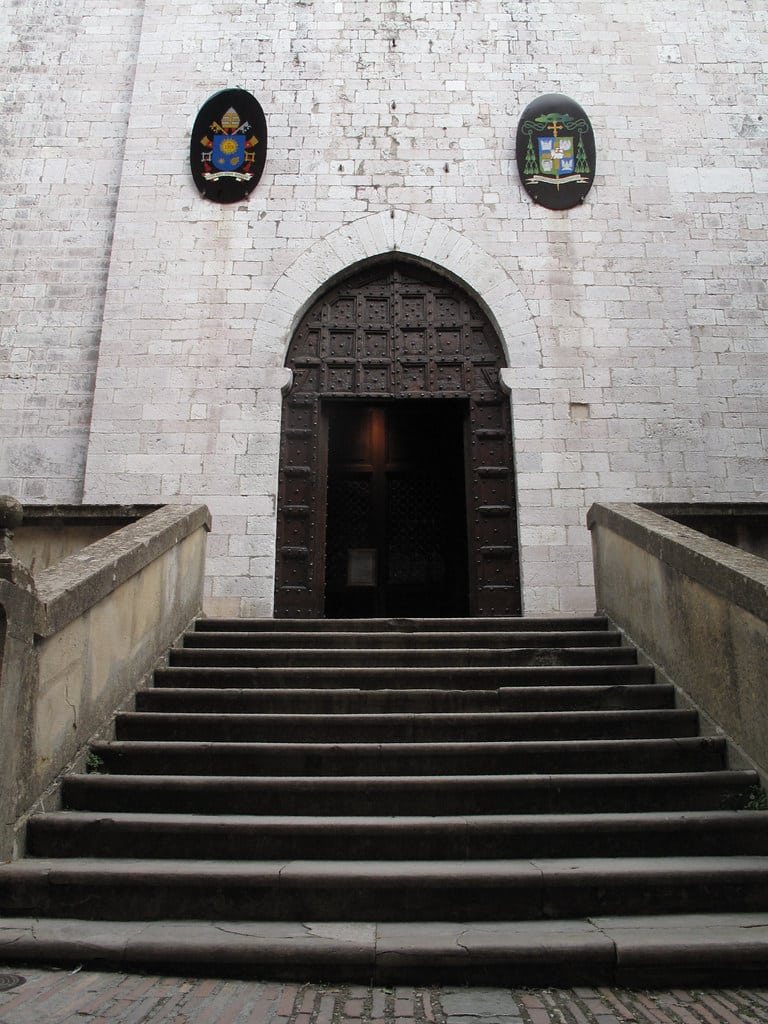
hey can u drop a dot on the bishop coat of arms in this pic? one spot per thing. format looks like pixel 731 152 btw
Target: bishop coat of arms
pixel 556 152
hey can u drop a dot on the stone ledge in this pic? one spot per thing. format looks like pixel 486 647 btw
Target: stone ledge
pixel 77 515
pixel 737 575
pixel 78 582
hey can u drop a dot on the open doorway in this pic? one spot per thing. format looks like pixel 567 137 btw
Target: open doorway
pixel 396 526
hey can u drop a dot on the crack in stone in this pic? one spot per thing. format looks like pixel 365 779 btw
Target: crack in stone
pixel 233 931
pixel 614 946
pixel 536 867
pixel 460 944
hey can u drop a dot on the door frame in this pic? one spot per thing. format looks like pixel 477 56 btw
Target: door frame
pixel 396 331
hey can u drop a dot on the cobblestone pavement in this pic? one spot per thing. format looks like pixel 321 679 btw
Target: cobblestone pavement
pixel 89 997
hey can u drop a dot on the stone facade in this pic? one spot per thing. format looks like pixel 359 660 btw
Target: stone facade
pixel 145 330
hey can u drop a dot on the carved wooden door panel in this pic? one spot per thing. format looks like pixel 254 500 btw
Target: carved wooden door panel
pixel 396 333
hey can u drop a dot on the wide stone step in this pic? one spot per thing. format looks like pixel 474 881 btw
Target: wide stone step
pixel 457 758
pixel 242 837
pixel 351 890
pixel 644 696
pixel 393 658
pixel 694 950
pixel 494 624
pixel 400 728
pixel 482 678
pixel 431 648
pixel 391 781
pixel 410 795
pixel 594 639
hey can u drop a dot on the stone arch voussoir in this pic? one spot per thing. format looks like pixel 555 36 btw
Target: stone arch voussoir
pixel 406 236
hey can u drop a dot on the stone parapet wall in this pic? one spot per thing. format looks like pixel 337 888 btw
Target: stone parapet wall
pixel 80 637
pixel 51 533
pixel 744 526
pixel 697 607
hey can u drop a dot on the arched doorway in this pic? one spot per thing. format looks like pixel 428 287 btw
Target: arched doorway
pixel 397 490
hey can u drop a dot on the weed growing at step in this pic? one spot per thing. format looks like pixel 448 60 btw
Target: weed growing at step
pixel 94 764
pixel 756 800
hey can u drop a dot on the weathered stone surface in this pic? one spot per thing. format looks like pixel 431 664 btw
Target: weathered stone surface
pixel 81 636
pixel 697 607
pixel 18 682
pixel 638 952
pixel 464 1007
pixel 11 512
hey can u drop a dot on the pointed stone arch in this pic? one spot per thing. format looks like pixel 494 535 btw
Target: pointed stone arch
pixel 408 236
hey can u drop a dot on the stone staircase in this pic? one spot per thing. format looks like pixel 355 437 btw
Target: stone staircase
pixel 513 801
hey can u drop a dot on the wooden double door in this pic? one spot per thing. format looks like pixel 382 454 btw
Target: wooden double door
pixel 397 485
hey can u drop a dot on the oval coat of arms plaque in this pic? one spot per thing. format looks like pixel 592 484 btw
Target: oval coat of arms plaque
pixel 555 152
pixel 228 148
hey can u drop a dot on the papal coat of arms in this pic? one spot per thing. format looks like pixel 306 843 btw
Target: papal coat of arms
pixel 228 147
pixel 556 152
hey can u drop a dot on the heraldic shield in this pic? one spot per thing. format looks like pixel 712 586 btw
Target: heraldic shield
pixel 228 152
pixel 228 148
pixel 555 152
pixel 556 155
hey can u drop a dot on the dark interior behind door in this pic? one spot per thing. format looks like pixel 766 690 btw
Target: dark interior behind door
pixel 396 528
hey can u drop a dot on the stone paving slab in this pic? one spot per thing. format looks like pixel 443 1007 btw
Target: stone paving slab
pixel 44 996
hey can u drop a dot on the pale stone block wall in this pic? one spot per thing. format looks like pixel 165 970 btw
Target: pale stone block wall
pixel 66 80
pixel 635 324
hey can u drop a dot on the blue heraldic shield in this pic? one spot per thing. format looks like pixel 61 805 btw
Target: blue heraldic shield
pixel 228 152
pixel 556 155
